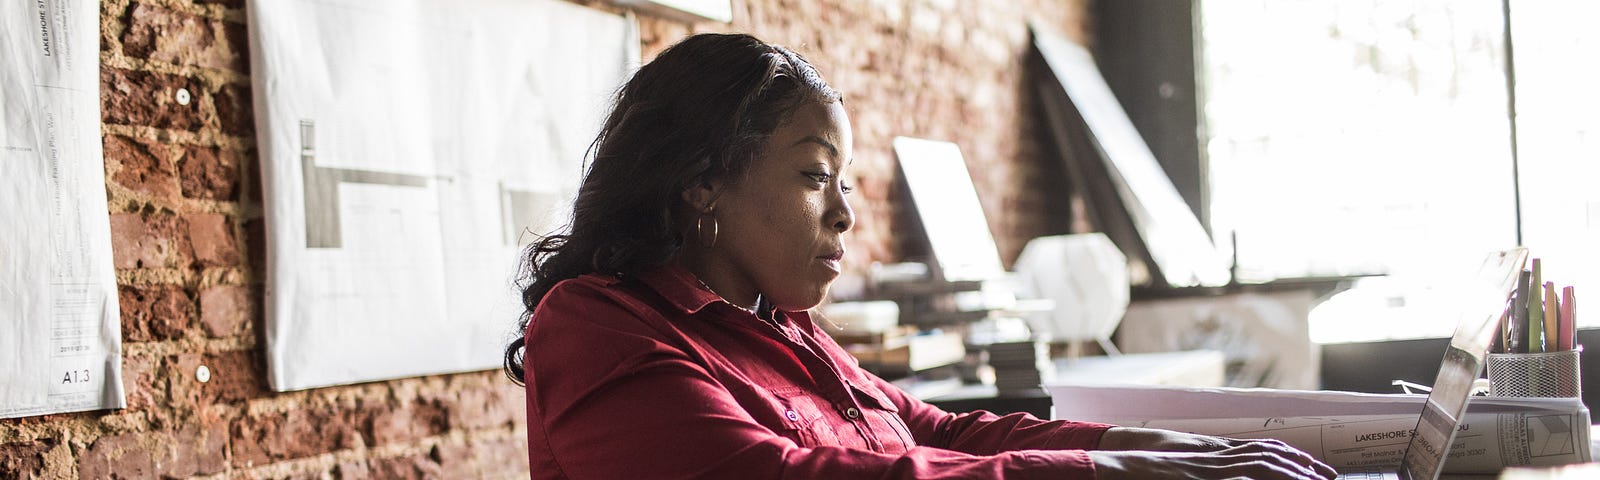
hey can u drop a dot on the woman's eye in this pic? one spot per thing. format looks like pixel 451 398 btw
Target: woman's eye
pixel 822 180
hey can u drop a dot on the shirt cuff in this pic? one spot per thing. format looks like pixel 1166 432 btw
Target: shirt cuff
pixel 1054 465
pixel 1077 435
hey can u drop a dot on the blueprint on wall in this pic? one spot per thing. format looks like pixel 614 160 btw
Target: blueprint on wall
pixel 60 333
pixel 408 149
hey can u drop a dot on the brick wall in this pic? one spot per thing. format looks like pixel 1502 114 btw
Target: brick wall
pixel 949 70
pixel 187 234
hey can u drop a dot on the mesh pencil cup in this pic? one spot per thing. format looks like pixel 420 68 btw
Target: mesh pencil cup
pixel 1550 374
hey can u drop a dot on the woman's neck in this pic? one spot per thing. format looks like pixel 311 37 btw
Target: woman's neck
pixel 723 282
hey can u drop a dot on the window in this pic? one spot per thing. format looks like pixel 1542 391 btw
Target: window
pixel 1557 52
pixel 1348 137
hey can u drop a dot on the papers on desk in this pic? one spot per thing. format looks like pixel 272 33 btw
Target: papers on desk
pixel 1344 429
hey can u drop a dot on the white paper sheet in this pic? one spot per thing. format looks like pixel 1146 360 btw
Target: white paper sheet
pixel 1346 430
pixel 407 147
pixel 60 333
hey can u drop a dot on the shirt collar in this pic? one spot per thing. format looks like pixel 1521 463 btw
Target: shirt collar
pixel 689 295
pixel 679 287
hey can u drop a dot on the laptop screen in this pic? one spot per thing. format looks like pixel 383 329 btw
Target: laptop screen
pixel 1483 302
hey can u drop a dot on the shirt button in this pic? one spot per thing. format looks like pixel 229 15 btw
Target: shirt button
pixel 793 417
pixel 852 412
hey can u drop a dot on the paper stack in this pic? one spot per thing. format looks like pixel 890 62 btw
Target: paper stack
pixel 1020 366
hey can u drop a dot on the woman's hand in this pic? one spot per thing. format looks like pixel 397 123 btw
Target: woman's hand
pixel 1149 453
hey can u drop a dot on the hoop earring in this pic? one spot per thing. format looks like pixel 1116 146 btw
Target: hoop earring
pixel 700 230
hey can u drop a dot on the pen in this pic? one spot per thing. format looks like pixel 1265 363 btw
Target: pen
pixel 1535 311
pixel 1552 318
pixel 1519 315
pixel 1569 319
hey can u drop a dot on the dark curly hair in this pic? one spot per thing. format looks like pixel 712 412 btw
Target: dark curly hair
pixel 700 112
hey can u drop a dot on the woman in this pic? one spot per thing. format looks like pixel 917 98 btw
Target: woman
pixel 668 333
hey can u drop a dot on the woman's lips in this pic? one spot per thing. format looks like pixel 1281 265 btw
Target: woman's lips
pixel 832 260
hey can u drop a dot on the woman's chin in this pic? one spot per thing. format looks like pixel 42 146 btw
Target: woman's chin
pixel 805 301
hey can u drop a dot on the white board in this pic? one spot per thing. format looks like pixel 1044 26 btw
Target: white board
pixel 60 328
pixel 1180 247
pixel 407 146
pixel 947 203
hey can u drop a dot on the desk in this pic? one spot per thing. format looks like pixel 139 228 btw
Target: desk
pixel 1200 368
pixel 1347 430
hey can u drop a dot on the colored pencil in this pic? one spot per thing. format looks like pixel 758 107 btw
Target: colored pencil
pixel 1569 319
pixel 1519 315
pixel 1535 311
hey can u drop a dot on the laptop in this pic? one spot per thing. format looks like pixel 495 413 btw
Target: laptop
pixel 1482 304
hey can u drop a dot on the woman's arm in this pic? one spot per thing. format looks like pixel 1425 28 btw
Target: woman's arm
pixel 1135 453
pixel 1117 452
pixel 982 432
pixel 608 399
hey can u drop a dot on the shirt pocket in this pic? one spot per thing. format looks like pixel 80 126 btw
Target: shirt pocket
pixel 884 418
pixel 800 415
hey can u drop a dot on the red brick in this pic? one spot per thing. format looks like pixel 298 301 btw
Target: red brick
pixel 255 234
pixel 139 381
pixel 415 466
pixel 119 456
pixel 224 309
pixel 24 460
pixel 456 461
pixel 309 475
pixel 127 230
pixel 209 173
pixel 132 97
pixel 232 4
pixel 258 439
pixel 192 450
pixel 234 111
pixel 196 450
pixel 486 407
pixel 144 167
pixel 252 177
pixel 149 240
pixel 183 388
pixel 154 312
pixel 238 39
pixel 352 471
pixel 410 422
pixel 213 239
pixel 502 457
pixel 234 377
pixel 165 35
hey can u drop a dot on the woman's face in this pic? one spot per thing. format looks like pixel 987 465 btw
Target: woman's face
pixel 780 227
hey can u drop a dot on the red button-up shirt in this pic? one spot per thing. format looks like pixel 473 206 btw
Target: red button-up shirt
pixel 656 377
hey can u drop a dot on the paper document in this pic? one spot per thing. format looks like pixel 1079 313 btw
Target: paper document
pixel 60 333
pixel 1346 430
pixel 409 149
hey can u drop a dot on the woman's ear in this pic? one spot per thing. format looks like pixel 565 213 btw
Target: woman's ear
pixel 703 196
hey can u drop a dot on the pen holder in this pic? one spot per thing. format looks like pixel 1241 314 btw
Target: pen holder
pixel 1551 374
